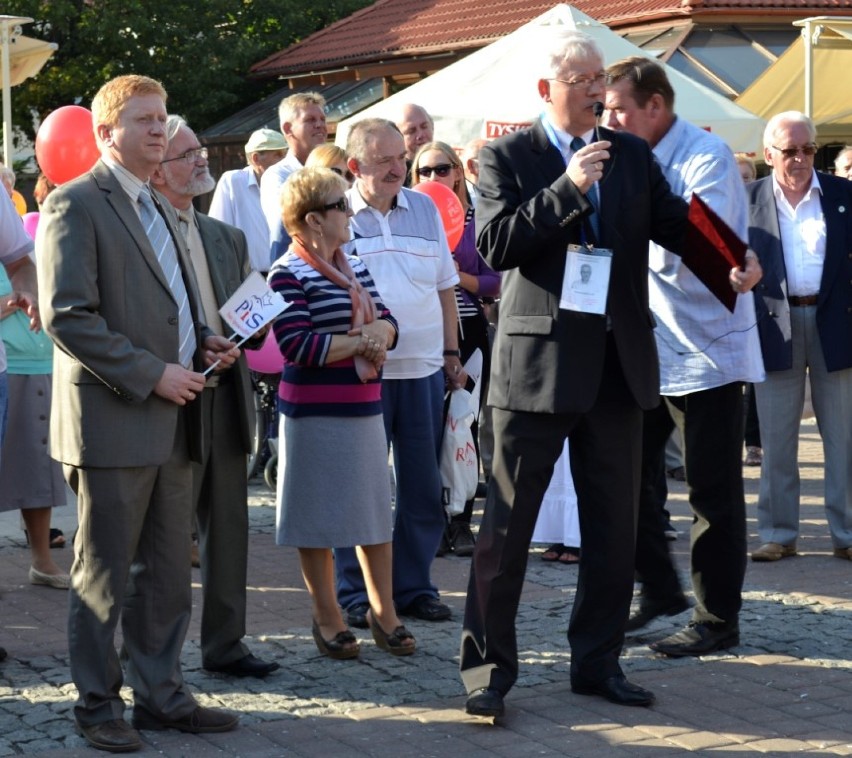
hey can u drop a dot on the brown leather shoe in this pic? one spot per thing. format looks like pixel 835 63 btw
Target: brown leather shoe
pixel 843 552
pixel 116 736
pixel 773 551
pixel 199 721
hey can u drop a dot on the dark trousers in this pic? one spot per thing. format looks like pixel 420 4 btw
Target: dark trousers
pixel 605 456
pixel 712 425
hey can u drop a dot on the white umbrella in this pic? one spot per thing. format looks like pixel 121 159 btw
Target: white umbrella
pixel 22 57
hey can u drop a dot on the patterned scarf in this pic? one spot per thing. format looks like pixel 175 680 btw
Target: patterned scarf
pixel 363 307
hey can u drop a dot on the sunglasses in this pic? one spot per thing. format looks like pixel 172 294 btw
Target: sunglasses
pixel 792 152
pixel 348 176
pixel 340 205
pixel 442 169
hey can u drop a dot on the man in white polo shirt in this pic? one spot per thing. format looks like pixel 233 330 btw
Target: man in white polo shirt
pixel 398 234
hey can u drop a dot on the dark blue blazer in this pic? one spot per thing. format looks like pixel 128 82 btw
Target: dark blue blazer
pixel 834 306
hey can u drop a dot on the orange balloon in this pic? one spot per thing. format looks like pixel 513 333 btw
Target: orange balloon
pixel 20 203
pixel 449 207
pixel 65 144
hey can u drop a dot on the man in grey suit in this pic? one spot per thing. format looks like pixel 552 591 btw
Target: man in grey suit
pixel 219 256
pixel 120 303
pixel 800 225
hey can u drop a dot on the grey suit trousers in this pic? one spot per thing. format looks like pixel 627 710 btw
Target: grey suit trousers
pixel 131 558
pixel 779 407
pixel 220 495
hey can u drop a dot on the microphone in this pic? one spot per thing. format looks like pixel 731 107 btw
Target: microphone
pixel 597 109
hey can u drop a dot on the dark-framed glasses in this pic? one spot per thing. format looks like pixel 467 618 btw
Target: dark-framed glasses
pixel 792 152
pixel 190 156
pixel 341 205
pixel 442 169
pixel 584 81
pixel 348 175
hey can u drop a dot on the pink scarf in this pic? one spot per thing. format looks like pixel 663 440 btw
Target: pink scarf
pixel 363 307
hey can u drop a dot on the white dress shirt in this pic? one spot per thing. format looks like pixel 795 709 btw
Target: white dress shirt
pixel 236 201
pixel 270 192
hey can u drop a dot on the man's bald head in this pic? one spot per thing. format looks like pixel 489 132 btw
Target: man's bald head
pixel 416 126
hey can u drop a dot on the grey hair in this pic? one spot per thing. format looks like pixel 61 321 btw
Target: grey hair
pixel 563 47
pixel 290 106
pixel 780 120
pixel 839 156
pixel 361 133
pixel 7 177
pixel 173 125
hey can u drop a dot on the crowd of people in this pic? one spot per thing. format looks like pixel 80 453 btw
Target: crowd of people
pixel 578 225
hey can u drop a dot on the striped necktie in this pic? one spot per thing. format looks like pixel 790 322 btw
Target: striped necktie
pixel 592 194
pixel 164 247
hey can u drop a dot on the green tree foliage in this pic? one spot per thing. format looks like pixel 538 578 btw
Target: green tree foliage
pixel 200 49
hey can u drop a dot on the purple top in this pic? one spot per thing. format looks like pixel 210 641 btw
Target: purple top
pixel 471 262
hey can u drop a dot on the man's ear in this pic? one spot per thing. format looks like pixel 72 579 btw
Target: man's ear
pixel 287 129
pixel 544 89
pixel 104 133
pixel 352 165
pixel 158 177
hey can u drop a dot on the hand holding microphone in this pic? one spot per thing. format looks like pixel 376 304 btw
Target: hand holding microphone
pixel 587 164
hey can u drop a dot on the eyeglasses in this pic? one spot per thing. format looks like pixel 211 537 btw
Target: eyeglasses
pixel 792 152
pixel 584 81
pixel 190 156
pixel 348 176
pixel 442 169
pixel 341 205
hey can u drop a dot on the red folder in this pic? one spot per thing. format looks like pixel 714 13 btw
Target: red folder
pixel 711 249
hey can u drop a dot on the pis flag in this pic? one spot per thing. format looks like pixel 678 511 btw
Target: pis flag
pixel 251 307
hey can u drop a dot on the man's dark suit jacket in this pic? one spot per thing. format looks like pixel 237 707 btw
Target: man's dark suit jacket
pixel 548 360
pixel 834 306
pixel 228 261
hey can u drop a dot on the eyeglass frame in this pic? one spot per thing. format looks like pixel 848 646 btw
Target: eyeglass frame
pixel 196 153
pixel 348 176
pixel 807 151
pixel 442 169
pixel 341 205
pixel 584 81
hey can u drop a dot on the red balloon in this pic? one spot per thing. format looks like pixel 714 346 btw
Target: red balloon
pixel 65 144
pixel 449 206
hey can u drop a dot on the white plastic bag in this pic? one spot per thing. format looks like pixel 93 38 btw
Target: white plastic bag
pixel 459 463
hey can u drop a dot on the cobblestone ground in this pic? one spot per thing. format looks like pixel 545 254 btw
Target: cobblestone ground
pixel 786 690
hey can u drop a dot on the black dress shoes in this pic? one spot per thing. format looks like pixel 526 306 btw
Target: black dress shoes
pixel 199 721
pixel 699 638
pixel 356 616
pixel 248 665
pixel 649 610
pixel 427 608
pixel 115 736
pixel 617 690
pixel 485 701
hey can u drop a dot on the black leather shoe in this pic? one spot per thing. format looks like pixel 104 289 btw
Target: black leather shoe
pixel 116 736
pixel 199 721
pixel 649 610
pixel 485 701
pixel 699 638
pixel 617 690
pixel 249 665
pixel 356 615
pixel 427 608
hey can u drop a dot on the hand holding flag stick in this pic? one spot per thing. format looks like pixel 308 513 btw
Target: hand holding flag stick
pixel 249 309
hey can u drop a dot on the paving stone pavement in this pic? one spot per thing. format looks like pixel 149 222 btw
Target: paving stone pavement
pixel 785 690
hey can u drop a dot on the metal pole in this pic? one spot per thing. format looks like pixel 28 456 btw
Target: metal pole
pixel 5 41
pixel 809 69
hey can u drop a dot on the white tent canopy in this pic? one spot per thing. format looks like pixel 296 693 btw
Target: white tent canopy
pixel 20 58
pixel 493 90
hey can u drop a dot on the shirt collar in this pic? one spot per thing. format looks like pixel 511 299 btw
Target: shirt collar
pixel 815 187
pixel 358 203
pixel 129 182
pixel 563 138
pixel 664 150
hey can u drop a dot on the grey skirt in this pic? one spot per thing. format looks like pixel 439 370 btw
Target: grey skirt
pixel 333 482
pixel 29 477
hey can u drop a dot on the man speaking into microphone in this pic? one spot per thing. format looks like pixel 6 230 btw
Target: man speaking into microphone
pixel 584 369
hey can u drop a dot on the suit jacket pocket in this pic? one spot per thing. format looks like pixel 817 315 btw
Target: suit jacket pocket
pixel 540 325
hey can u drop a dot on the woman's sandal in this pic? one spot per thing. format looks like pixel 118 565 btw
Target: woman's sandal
pixel 340 647
pixel 393 643
pixel 553 553
pixel 570 556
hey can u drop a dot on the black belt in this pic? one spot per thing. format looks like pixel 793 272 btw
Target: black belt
pixel 802 300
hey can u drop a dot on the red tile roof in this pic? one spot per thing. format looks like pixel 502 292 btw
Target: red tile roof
pixel 391 29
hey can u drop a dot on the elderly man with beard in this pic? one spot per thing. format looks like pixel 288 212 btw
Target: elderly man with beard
pixel 220 260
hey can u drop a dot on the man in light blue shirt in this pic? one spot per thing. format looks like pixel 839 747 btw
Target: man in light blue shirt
pixel 706 354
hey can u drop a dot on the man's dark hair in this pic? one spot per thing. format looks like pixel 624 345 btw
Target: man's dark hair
pixel 647 77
